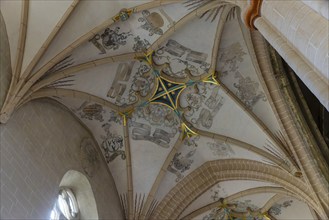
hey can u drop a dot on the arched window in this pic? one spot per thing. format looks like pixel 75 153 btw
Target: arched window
pixel 66 206
pixel 75 199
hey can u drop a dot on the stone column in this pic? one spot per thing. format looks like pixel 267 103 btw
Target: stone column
pixel 312 79
pixel 301 37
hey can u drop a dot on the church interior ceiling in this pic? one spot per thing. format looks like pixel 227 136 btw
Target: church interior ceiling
pixel 164 88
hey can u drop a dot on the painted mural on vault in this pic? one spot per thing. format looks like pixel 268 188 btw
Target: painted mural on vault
pixel 217 193
pixel 203 103
pixel 144 132
pixel 90 111
pixel 215 214
pixel 226 214
pixel 130 81
pixel 221 149
pixel 180 61
pixel 112 144
pixel 159 115
pixel 141 45
pixel 248 90
pixel 155 123
pixel 183 160
pixel 152 22
pixel 242 206
pixel 229 59
pixel 277 207
pixel 110 39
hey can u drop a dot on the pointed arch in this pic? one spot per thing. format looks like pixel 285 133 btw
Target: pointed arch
pixel 212 172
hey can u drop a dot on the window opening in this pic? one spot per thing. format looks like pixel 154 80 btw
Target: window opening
pixel 66 206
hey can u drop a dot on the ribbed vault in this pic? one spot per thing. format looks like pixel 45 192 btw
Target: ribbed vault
pixel 174 96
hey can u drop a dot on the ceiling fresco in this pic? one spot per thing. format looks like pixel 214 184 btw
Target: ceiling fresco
pixel 164 88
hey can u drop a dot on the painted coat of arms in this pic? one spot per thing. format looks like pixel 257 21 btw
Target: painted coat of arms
pixel 112 145
pixel 110 39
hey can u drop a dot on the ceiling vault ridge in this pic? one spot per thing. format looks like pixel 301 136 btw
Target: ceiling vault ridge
pixel 212 172
pixel 76 70
pixel 20 77
pixel 223 203
pixel 28 71
pixel 305 162
pixel 121 57
pixel 181 22
pixel 258 62
pixel 173 68
pixel 21 40
pixel 130 184
pixel 279 162
pixel 151 196
pixel 221 23
pixel 20 51
pixel 275 199
pixel 277 138
pixel 17 92
pixel 60 92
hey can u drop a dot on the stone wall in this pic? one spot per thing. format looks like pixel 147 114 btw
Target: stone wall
pixel 39 144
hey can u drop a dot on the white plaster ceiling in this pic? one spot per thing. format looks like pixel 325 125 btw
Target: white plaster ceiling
pixel 102 76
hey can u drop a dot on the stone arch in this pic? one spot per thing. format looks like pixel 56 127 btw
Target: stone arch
pixel 212 172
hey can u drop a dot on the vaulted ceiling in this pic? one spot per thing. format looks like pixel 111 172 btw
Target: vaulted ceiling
pixel 173 95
